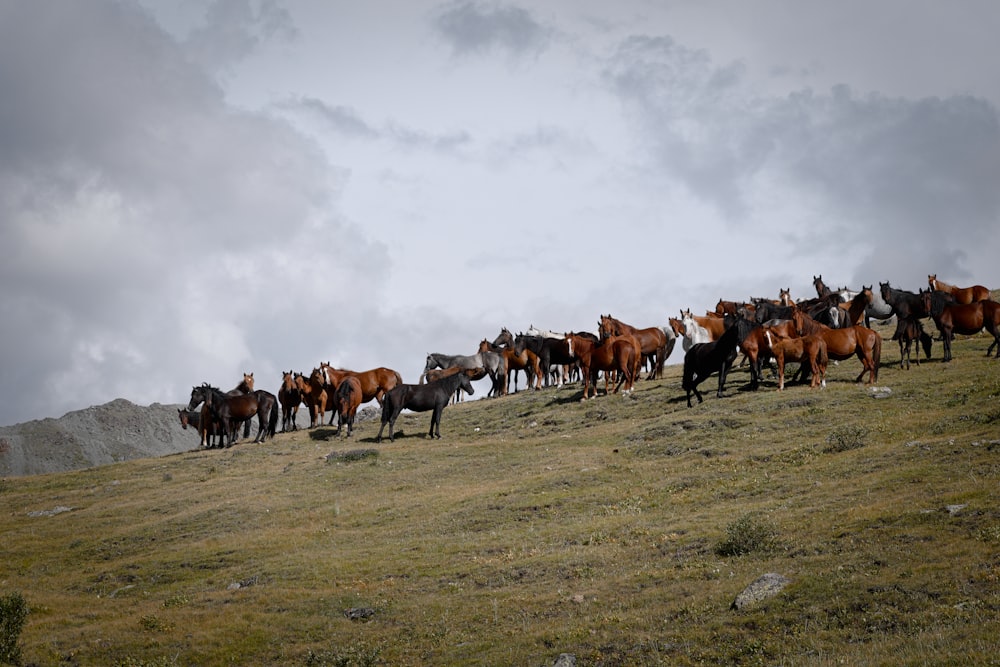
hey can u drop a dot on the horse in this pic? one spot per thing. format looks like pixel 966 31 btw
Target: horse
pixel 314 395
pixel 694 333
pixel 965 319
pixel 806 349
pixel 902 302
pixel 491 361
pixel 857 308
pixel 909 330
pixel 714 324
pixel 716 356
pixel 768 310
pixel 621 354
pixel 374 383
pixel 963 295
pixel 348 399
pixel 421 398
pixel 655 342
pixel 878 309
pixel 516 357
pixel 193 419
pixel 441 373
pixel 843 343
pixel 551 352
pixel 230 411
pixel 544 333
pixel 290 398
pixel 755 346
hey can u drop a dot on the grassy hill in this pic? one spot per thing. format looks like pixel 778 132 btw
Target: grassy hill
pixel 619 530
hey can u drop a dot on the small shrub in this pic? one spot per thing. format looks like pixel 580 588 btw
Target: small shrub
pixel 13 613
pixel 362 656
pixel 847 437
pixel 745 535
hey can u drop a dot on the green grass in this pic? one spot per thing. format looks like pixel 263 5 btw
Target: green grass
pixel 619 530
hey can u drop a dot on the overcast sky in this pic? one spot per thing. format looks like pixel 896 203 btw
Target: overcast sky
pixel 194 189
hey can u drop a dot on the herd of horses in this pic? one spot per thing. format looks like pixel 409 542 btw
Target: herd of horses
pixel 835 325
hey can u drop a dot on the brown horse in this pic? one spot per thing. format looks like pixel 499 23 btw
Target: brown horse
pixel 965 319
pixel 193 418
pixel 653 341
pixel 806 349
pixel 290 398
pixel 615 354
pixel 348 399
pixel 374 383
pixel 843 343
pixel 516 357
pixel 962 294
pixel 313 394
pixel 856 307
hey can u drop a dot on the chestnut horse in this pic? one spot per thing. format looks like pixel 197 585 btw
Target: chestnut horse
pixel 348 399
pixel 965 319
pixel 374 383
pixel 962 295
pixel 656 343
pixel 290 398
pixel 805 349
pixel 314 395
pixel 843 343
pixel 621 354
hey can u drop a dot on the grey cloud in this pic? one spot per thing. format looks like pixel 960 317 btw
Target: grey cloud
pixel 891 172
pixel 233 29
pixel 156 237
pixel 473 27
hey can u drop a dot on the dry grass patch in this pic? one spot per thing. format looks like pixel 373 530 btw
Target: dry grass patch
pixel 618 529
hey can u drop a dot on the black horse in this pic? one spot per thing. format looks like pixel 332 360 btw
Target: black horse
pixel 903 303
pixel 421 398
pixel 703 359
pixel 232 410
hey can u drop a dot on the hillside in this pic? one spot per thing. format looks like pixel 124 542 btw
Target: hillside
pixel 617 530
pixel 110 433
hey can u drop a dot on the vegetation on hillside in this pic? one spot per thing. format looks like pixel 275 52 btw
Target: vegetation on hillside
pixel 619 530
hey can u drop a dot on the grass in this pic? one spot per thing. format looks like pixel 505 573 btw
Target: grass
pixel 619 530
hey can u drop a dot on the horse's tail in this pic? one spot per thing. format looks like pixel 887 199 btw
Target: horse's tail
pixel 876 352
pixel 272 422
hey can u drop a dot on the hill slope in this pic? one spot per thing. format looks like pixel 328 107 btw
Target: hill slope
pixel 619 530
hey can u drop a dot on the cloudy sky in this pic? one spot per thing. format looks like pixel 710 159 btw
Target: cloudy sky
pixel 195 189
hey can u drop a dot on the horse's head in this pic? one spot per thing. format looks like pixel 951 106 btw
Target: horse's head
pixel 183 415
pixel 198 396
pixel 785 296
pixel 932 280
pixel 465 383
pixel 504 339
pixel 248 381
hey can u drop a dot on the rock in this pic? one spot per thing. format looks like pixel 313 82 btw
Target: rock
pixel 766 586
pixel 565 660
pixel 359 613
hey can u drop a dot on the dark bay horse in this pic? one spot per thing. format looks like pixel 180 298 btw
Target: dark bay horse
pixel 716 356
pixel 432 396
pixel 656 344
pixel 844 343
pixel 910 330
pixel 290 397
pixel 902 302
pixel 231 411
pixel 551 352
pixel 193 419
pixel 962 294
pixel 615 354
pixel 965 319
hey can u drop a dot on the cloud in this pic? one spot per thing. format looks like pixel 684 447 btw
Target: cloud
pixel 233 29
pixel 156 237
pixel 871 176
pixel 477 28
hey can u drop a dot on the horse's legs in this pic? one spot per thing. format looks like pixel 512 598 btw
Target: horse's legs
pixel 436 420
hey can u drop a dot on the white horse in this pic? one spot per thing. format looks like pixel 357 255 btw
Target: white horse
pixel 533 331
pixel 693 332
